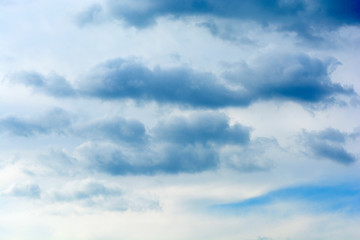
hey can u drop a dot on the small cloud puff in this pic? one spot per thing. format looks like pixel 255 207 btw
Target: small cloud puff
pixel 329 144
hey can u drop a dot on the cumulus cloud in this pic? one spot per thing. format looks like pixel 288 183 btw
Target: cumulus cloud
pixel 329 144
pixel 119 79
pixel 53 121
pixel 287 77
pixel 306 18
pixel 177 145
pixel 298 78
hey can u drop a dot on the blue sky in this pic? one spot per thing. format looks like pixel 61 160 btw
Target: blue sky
pixel 169 119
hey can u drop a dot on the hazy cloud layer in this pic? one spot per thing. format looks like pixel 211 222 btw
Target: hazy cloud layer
pixel 54 121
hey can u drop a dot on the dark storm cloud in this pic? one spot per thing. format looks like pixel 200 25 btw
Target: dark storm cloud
pixel 329 144
pixel 54 121
pixel 300 16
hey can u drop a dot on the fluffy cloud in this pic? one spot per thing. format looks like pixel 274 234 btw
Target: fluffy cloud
pixel 291 77
pixel 179 145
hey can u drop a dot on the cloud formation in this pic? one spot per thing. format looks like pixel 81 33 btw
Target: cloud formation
pixel 291 77
pixel 116 129
pixel 306 18
pixel 178 145
pixel 329 144
pixel 203 128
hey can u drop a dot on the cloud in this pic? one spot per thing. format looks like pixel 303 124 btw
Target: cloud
pixel 92 15
pixel 259 155
pixel 120 79
pixel 287 77
pixel 329 144
pixel 92 195
pixel 178 145
pixel 172 159
pixel 53 84
pixel 203 128
pixel 88 191
pixel 53 121
pixel 306 18
pixel 299 78
pixel 29 190
pixel 116 129
pixel 344 198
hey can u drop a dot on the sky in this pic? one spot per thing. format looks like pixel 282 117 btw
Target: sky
pixel 179 119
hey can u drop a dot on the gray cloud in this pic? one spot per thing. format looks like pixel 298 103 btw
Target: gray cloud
pixel 306 18
pixel 53 84
pixel 329 144
pixel 286 77
pixel 168 158
pixel 203 128
pixel 178 145
pixel 116 129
